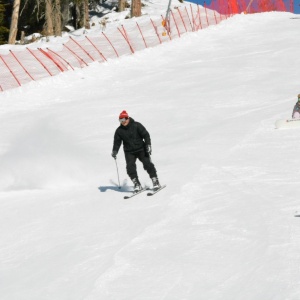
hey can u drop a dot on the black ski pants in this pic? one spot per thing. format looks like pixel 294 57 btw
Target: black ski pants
pixel 144 158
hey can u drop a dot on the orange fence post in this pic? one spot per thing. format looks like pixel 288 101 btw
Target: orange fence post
pixel 175 23
pixel 206 13
pixel 52 59
pixel 21 65
pixel 126 39
pixel 111 44
pixel 61 58
pixel 193 19
pixel 39 62
pixel 78 58
pixel 155 29
pixel 100 53
pixel 182 20
pixel 189 18
pixel 142 34
pixel 199 16
pixel 213 8
pixel 82 49
pixel 12 73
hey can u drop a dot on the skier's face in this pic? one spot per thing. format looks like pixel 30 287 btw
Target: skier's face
pixel 124 121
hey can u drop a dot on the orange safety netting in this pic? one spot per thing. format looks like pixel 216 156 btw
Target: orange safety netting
pixel 18 67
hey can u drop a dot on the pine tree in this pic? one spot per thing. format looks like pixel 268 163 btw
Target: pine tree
pixel 4 21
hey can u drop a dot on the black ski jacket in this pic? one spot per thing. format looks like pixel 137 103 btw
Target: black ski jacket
pixel 134 137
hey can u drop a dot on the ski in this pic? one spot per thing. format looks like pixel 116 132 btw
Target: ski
pixel 287 123
pixel 135 194
pixel 156 191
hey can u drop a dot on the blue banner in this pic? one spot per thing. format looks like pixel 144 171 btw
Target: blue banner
pixel 200 2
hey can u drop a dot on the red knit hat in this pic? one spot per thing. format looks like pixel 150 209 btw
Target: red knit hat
pixel 123 114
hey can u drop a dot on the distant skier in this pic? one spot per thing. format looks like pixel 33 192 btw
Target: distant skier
pixel 136 144
pixel 296 110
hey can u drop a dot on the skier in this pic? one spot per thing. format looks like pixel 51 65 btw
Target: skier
pixel 136 144
pixel 296 110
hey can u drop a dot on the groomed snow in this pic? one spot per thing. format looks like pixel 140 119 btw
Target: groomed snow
pixel 223 229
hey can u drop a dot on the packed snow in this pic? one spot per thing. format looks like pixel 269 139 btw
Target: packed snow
pixel 225 226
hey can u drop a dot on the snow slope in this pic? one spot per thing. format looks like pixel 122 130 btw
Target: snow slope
pixel 224 228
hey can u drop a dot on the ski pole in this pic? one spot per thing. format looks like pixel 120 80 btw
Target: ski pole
pixel 167 18
pixel 118 173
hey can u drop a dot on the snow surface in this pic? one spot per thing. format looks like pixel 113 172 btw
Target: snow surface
pixel 224 228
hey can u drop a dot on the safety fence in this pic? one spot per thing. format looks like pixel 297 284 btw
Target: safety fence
pixel 24 64
pixel 251 6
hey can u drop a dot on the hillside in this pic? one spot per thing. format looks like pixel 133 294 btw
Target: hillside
pixel 224 228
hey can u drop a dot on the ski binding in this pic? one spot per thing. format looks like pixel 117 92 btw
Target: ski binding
pixel 156 191
pixel 137 193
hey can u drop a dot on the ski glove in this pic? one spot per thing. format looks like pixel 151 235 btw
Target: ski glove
pixel 114 154
pixel 148 149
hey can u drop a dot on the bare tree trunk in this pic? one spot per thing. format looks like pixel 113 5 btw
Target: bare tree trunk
pixel 22 37
pixel 136 8
pixel 86 14
pixel 81 18
pixel 48 27
pixel 57 18
pixel 121 6
pixel 14 23
pixel 65 13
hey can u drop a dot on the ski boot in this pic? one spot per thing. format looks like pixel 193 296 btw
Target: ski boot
pixel 137 186
pixel 156 184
